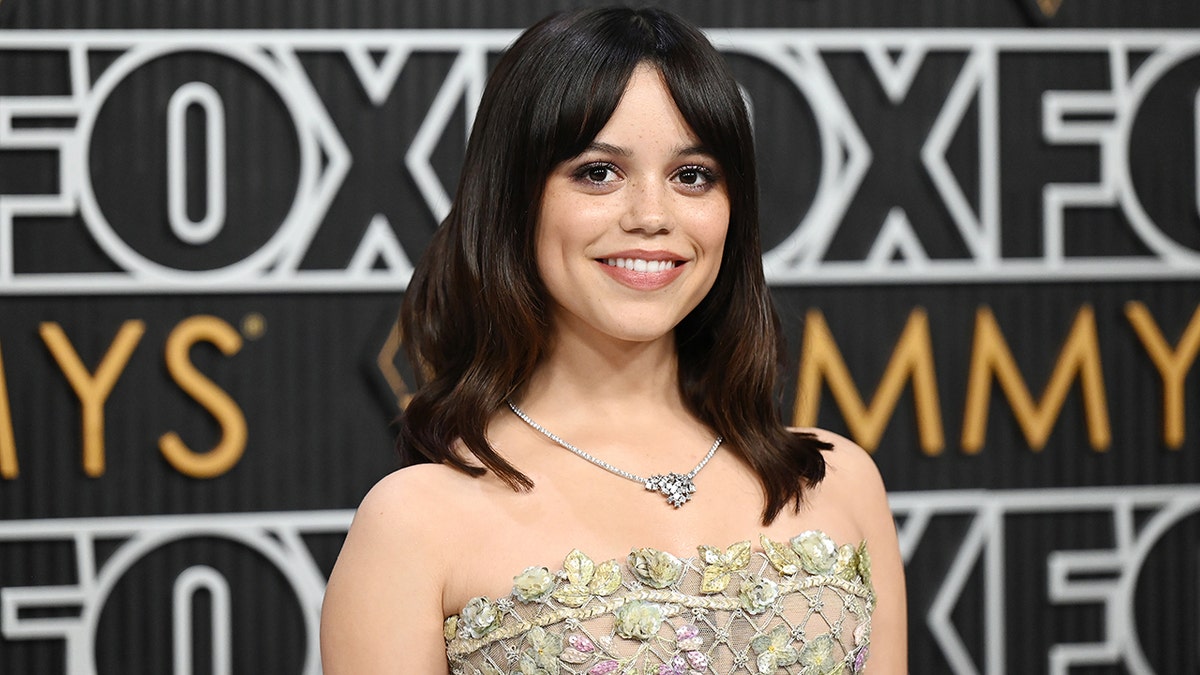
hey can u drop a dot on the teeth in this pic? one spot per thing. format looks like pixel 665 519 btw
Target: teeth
pixel 639 265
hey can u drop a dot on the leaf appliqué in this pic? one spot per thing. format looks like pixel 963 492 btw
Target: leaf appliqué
pixel 579 568
pixel 607 578
pixel 719 567
pixel 572 595
pixel 585 579
pixel 781 556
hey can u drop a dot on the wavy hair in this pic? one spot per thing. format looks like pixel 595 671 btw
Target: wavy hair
pixel 475 318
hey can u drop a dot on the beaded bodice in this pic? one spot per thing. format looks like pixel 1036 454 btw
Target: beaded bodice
pixel 801 607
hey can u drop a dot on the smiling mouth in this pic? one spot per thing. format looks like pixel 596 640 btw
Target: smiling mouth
pixel 640 265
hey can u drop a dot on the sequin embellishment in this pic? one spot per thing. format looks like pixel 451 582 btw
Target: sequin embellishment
pixel 801 607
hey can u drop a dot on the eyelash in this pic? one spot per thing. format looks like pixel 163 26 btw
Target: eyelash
pixel 582 173
pixel 707 175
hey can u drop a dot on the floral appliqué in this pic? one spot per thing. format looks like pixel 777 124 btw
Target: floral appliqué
pixel 639 620
pixel 478 618
pixel 579 649
pixel 533 585
pixel 586 579
pixel 815 553
pixel 719 566
pixel 657 569
pixel 541 656
pixel 758 594
pixel 803 605
pixel 774 650
pixel 691 659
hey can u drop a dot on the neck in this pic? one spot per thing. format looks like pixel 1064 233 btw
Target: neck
pixel 617 399
pixel 608 378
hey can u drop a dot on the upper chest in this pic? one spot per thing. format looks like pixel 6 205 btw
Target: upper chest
pixel 489 541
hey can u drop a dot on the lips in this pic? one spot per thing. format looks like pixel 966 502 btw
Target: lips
pixel 643 270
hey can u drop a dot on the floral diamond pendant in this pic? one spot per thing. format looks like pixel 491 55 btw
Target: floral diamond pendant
pixel 676 487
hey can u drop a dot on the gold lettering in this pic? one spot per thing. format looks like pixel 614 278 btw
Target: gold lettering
pixel 93 389
pixel 912 358
pixel 1172 365
pixel 1080 356
pixel 8 444
pixel 229 450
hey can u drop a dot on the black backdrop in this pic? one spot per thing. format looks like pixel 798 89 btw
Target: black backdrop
pixel 993 192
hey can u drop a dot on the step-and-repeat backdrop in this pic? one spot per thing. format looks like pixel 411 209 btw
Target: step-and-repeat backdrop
pixel 983 229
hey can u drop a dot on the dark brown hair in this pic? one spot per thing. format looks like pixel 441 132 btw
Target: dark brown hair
pixel 475 317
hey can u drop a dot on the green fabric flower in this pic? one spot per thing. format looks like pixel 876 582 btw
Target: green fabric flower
pixel 817 656
pixel 450 628
pixel 541 657
pixel 639 620
pixel 657 569
pixel 757 594
pixel 864 564
pixel 533 585
pixel 774 650
pixel 478 618
pixel 816 550
pixel 846 566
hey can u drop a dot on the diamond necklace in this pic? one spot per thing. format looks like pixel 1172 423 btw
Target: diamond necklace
pixel 676 487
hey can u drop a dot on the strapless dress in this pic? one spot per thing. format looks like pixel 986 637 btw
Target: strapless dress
pixel 802 606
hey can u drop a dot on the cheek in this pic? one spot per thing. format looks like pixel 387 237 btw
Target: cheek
pixel 716 229
pixel 547 260
pixel 547 236
pixel 717 216
pixel 555 248
pixel 549 244
pixel 567 228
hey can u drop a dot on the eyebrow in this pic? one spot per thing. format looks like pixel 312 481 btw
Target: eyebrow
pixel 599 146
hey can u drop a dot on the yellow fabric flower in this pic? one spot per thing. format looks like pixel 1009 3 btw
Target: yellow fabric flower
pixel 816 550
pixel 655 568
pixel 638 620
pixel 534 584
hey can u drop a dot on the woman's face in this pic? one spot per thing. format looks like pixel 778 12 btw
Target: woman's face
pixel 631 231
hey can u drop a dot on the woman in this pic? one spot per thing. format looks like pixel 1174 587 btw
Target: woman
pixel 599 480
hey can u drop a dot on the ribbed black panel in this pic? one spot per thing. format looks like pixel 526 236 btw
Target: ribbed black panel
pixel 1014 551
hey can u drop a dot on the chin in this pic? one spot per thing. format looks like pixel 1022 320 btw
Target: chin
pixel 633 323
pixel 643 338
pixel 642 334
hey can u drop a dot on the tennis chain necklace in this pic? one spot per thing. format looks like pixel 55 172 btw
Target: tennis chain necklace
pixel 676 487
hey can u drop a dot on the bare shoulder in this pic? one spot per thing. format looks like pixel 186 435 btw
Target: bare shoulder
pixel 852 483
pixel 383 602
pixel 420 485
pixel 402 519
pixel 847 465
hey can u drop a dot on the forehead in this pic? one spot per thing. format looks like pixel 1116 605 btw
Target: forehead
pixel 646 113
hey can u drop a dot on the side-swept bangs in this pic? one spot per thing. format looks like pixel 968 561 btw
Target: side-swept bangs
pixel 566 77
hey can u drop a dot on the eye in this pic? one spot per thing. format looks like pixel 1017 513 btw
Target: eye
pixel 696 177
pixel 598 173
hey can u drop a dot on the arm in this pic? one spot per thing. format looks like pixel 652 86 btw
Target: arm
pixel 889 625
pixel 864 496
pixel 383 604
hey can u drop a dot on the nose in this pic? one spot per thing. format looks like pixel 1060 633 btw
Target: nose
pixel 648 210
